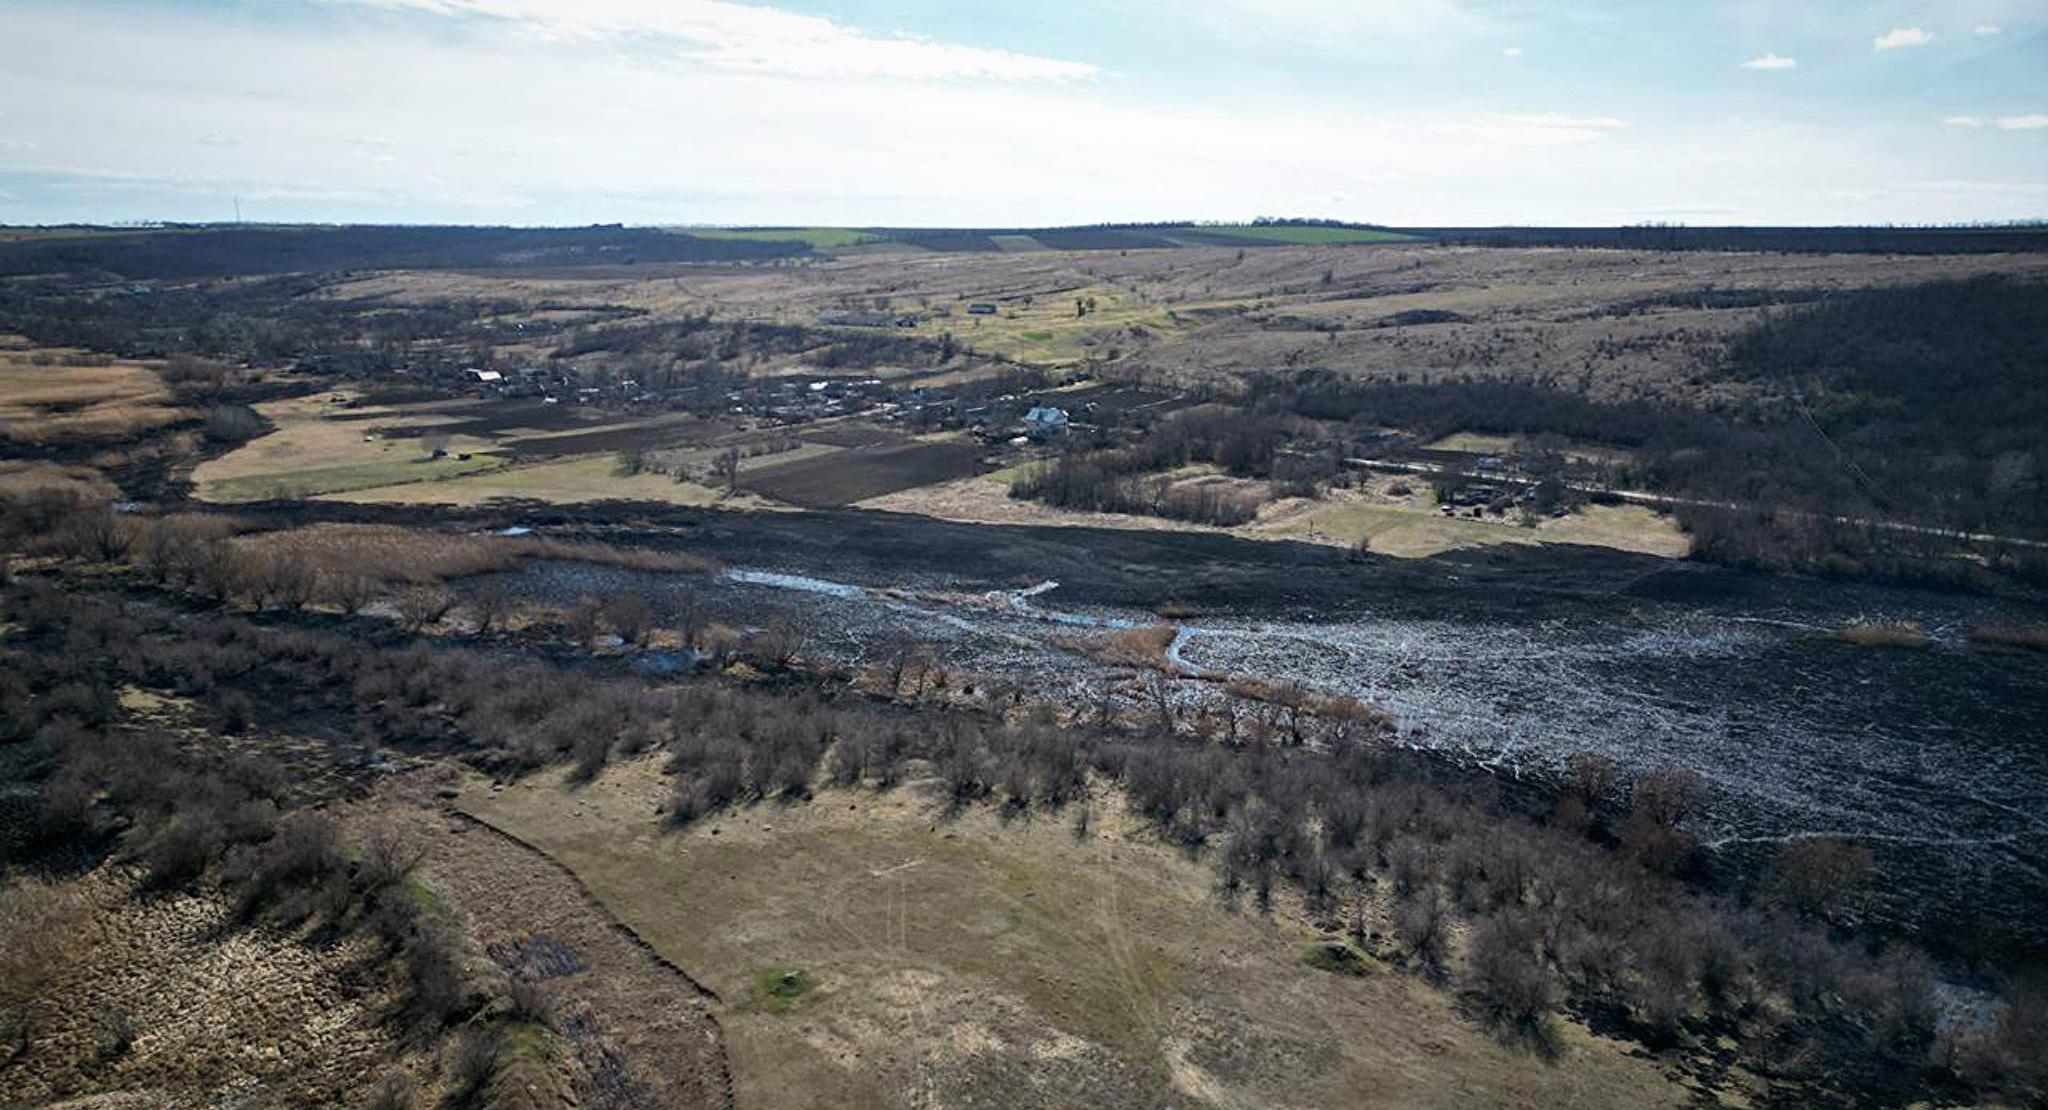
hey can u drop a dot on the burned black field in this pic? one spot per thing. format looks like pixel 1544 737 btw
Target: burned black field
pixel 864 471
pixel 1505 664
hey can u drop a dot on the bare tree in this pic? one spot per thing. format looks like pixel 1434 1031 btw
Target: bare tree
pixel 580 620
pixel 351 591
pixel 291 582
pixel 725 470
pixel 492 603
pixel 630 615
pixel 689 617
pixel 422 606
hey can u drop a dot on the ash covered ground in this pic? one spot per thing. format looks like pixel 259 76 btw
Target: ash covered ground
pixel 1936 758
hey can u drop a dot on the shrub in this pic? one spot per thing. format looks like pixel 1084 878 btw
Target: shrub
pixel 2016 637
pixel 529 1001
pixel 232 424
pixel 470 1065
pixel 1423 926
pixel 1338 957
pixel 1505 971
pixel 630 616
pixel 181 850
pixel 493 603
pixel 397 1091
pixel 1900 634
pixel 422 606
pixel 1815 875
pixel 433 964
pixel 303 854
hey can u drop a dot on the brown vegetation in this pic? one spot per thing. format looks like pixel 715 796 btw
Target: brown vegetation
pixel 1898 634
pixel 2011 637
pixel 1141 648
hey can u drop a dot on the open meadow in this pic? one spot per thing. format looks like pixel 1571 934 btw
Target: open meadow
pixel 885 950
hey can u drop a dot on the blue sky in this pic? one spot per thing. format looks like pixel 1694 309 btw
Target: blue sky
pixel 1024 113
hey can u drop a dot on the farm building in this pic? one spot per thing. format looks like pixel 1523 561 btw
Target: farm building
pixel 1045 422
pixel 484 377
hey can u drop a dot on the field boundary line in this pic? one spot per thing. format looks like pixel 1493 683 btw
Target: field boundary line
pixel 631 937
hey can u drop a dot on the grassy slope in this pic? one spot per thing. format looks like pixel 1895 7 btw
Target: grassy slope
pixel 960 959
pixel 1404 527
pixel 819 238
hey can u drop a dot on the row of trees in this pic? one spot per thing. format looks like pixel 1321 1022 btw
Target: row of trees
pixel 1129 479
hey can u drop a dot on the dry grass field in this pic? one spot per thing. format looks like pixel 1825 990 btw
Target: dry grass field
pixel 20 477
pixel 54 395
pixel 877 951
pixel 566 482
pixel 1402 525
pixel 166 1000
pixel 1629 323
pixel 321 447
pixel 332 445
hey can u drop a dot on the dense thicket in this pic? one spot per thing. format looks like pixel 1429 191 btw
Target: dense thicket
pixel 266 322
pixel 1920 405
pixel 1802 240
pixel 1935 396
pixel 198 252
pixel 1129 479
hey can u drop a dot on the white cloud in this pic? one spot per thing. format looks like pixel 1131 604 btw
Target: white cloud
pixel 753 38
pixel 1599 123
pixel 515 127
pixel 1511 52
pixel 1333 20
pixel 1771 61
pixel 2023 123
pixel 1534 130
pixel 1899 37
pixel 1963 121
pixel 1986 30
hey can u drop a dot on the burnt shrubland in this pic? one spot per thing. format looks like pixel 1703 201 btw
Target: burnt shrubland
pixel 1592 913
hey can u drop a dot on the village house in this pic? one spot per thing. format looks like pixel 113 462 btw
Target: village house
pixel 1045 422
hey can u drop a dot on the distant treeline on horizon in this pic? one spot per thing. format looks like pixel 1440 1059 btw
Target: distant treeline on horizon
pixel 228 250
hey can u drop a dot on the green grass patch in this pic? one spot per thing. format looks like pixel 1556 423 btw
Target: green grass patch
pixel 778 988
pixel 426 900
pixel 1038 336
pixel 819 238
pixel 1338 957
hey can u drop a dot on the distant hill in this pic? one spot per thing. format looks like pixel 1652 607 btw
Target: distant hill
pixel 218 251
pixel 207 251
